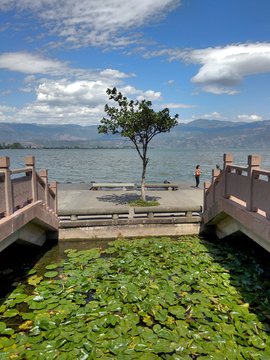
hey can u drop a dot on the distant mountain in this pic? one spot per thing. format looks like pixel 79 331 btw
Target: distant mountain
pixel 199 133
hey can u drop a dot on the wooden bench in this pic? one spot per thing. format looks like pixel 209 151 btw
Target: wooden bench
pixel 124 186
pixel 172 186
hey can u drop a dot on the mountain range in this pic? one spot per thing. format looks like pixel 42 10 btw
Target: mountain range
pixel 201 133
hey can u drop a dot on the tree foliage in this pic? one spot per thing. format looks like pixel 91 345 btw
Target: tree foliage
pixel 136 121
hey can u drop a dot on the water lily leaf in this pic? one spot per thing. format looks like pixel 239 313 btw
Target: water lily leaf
pixel 35 331
pixel 161 315
pixel 11 313
pixel 52 266
pixel 257 342
pixel 7 331
pixel 31 272
pixel 26 325
pixel 21 339
pixel 51 274
pixel 34 280
pixel 46 324
pixel 178 311
pixel 149 336
pixel 2 326
pixel 28 316
pixel 110 250
pixel 162 346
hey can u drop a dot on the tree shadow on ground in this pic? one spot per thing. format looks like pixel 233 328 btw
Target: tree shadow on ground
pixel 124 199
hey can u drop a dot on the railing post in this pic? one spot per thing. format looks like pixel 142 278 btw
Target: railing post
pixel 215 173
pixel 4 167
pixel 44 176
pixel 53 186
pixel 227 160
pixel 207 185
pixel 30 162
pixel 268 214
pixel 254 162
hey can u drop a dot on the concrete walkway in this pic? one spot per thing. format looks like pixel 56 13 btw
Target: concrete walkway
pixel 78 196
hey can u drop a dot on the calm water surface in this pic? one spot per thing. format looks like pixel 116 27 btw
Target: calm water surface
pixel 125 165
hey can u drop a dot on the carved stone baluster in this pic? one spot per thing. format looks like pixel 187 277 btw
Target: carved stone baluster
pixel 4 167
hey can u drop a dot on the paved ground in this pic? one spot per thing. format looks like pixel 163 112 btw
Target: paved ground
pixel 78 195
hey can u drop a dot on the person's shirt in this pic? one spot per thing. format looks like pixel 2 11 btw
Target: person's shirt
pixel 197 172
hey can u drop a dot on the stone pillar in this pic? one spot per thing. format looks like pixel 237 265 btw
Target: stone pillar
pixel 4 167
pixel 227 160
pixel 207 185
pixel 53 186
pixel 215 174
pixel 30 162
pixel 268 214
pixel 44 176
pixel 254 162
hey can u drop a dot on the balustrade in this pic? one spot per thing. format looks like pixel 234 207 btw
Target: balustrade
pixel 243 184
pixel 29 188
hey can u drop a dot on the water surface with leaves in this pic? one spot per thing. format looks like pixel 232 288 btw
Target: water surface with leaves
pixel 153 298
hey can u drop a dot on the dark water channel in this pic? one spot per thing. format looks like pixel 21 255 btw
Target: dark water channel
pixel 19 258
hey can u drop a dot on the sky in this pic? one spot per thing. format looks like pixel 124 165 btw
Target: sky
pixel 202 59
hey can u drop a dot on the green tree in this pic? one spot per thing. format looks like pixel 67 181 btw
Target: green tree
pixel 136 121
pixel 16 145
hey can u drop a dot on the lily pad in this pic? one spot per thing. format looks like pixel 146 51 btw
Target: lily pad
pixel 51 274
pixel 11 313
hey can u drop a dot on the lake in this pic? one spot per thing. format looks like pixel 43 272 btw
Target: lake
pixel 125 165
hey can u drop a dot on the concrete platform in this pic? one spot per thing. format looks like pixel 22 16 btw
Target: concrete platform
pixel 78 195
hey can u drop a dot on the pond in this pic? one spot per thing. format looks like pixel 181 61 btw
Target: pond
pixel 153 298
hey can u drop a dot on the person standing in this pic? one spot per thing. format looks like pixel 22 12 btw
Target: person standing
pixel 197 175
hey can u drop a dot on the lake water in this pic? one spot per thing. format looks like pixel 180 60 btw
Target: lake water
pixel 125 165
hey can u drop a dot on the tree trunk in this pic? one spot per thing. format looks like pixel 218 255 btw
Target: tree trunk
pixel 143 181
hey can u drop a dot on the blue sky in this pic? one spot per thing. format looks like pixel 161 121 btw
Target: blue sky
pixel 200 58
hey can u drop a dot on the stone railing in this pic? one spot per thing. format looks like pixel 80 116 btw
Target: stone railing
pixel 248 185
pixel 131 212
pixel 23 190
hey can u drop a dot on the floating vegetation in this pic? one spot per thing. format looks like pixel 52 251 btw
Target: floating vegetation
pixel 158 299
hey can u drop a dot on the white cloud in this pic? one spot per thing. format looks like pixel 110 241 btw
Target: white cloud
pixel 250 117
pixel 70 114
pixel 169 82
pixel 219 90
pixel 28 63
pixel 185 121
pixel 77 93
pixel 147 95
pixel 213 115
pixel 115 74
pixel 93 22
pixel 222 66
pixel 27 89
pixel 5 92
pixel 177 106
pixel 71 102
pixel 4 108
pixel 195 93
pixel 227 66
pixel 150 95
pixel 29 79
